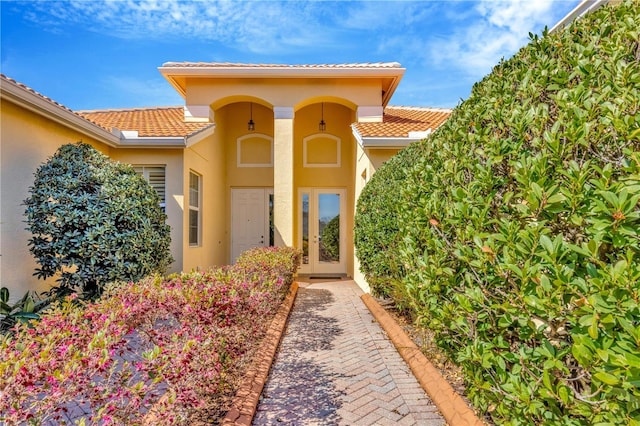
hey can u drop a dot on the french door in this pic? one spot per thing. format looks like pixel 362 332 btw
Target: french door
pixel 322 230
pixel 251 219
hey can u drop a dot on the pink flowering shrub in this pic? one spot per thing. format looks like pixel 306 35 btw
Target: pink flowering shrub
pixel 167 348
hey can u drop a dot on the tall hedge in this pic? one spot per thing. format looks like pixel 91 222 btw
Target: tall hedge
pixel 94 221
pixel 520 229
pixel 376 228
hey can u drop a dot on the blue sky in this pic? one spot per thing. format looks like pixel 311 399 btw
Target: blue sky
pixel 104 54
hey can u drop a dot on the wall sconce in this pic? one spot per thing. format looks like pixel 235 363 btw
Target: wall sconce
pixel 322 126
pixel 251 126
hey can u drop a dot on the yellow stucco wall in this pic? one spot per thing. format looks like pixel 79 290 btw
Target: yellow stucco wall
pixel 26 141
pixel 207 159
pixel 285 92
pixel 234 118
pixel 377 156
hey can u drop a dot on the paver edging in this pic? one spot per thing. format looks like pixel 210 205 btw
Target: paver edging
pixel 245 403
pixel 451 405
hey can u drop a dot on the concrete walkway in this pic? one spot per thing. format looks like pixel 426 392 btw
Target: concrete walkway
pixel 335 366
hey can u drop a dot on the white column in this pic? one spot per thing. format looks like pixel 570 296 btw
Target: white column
pixel 198 114
pixel 370 113
pixel 283 196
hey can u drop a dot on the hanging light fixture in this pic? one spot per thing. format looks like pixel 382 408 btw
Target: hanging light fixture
pixel 322 126
pixel 251 126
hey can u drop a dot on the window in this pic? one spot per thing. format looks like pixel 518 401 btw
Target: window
pixel 155 175
pixel 194 209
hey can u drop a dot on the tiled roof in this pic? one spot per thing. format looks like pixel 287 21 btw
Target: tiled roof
pixel 318 66
pixel 5 79
pixel 397 122
pixel 169 122
pixel 149 122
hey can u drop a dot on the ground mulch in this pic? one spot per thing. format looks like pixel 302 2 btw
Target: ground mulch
pixel 424 339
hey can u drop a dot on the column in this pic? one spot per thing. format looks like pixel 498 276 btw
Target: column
pixel 283 196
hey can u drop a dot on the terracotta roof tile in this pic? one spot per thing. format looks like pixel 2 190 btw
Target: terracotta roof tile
pixel 397 122
pixel 149 122
pixel 168 121
pixel 241 65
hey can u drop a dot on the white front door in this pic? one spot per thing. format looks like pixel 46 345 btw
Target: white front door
pixel 250 219
pixel 322 230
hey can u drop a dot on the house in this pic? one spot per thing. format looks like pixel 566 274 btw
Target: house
pixel 258 155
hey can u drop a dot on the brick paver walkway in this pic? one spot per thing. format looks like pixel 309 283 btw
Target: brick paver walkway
pixel 335 366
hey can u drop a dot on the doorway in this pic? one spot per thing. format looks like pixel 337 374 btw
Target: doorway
pixel 251 219
pixel 322 227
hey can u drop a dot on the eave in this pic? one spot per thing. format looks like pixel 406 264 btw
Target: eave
pixel 32 101
pixel 388 142
pixel 177 73
pixel 584 7
pixel 130 139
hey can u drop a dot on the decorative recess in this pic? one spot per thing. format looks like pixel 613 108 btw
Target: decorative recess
pixel 321 150
pixel 255 150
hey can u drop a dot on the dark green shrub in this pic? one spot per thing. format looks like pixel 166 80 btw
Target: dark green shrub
pixel 376 227
pixel 94 221
pixel 331 239
pixel 521 229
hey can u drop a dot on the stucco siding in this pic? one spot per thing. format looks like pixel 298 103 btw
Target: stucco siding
pixel 26 141
pixel 206 158
pixel 284 92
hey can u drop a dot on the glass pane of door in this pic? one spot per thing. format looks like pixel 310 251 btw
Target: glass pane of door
pixel 328 228
pixel 305 228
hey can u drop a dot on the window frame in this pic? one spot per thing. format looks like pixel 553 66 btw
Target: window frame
pixel 195 208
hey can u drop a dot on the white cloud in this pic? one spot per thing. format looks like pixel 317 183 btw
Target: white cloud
pixel 499 29
pixel 392 15
pixel 256 26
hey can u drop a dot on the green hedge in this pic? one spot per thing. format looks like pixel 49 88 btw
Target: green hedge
pixel 376 227
pixel 520 229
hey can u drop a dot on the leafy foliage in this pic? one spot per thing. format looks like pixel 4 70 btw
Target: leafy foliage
pixel 520 229
pixel 172 348
pixel 331 239
pixel 376 228
pixel 25 309
pixel 94 221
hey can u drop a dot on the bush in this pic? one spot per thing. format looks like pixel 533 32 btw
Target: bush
pixel 521 229
pixel 330 238
pixel 25 309
pixel 376 228
pixel 94 221
pixel 174 347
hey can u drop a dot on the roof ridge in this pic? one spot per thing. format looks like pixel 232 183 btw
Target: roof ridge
pixel 253 65
pixel 150 108
pixel 417 108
